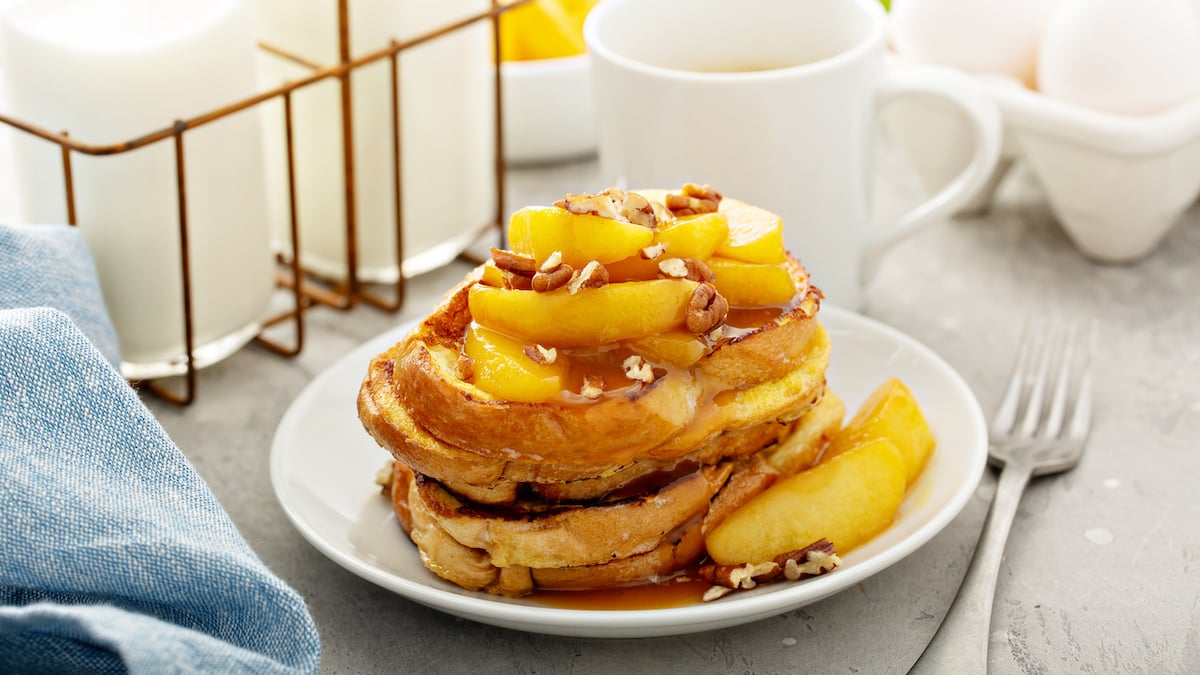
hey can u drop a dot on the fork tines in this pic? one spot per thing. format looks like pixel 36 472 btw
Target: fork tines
pixel 1061 353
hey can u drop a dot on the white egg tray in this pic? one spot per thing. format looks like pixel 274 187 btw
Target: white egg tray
pixel 1117 184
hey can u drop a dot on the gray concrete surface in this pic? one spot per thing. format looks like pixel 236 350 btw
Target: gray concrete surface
pixel 1101 573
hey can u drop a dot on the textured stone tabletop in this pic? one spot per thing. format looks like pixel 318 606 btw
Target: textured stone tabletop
pixel 1102 572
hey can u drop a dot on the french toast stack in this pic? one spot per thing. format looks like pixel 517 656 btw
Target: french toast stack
pixel 584 407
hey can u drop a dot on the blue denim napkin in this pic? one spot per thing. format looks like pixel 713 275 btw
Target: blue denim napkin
pixel 114 555
pixel 51 266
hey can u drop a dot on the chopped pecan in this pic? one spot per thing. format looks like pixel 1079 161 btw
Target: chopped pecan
pixel 715 593
pixel 686 268
pixel 744 576
pixel 637 210
pixel 593 275
pixel 652 252
pixel 693 200
pixel 614 204
pixel 383 477
pixel 673 267
pixel 551 262
pixel 637 369
pixel 544 282
pixel 540 355
pixel 588 204
pixel 514 262
pixel 812 560
pixel 465 368
pixel 706 310
pixel 593 387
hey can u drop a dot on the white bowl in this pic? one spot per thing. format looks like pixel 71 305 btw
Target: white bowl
pixel 1117 184
pixel 548 114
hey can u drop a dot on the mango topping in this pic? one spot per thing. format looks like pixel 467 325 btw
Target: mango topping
pixel 647 274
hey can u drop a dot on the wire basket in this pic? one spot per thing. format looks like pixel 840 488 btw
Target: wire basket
pixel 305 289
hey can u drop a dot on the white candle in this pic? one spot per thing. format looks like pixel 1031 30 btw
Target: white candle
pixel 10 209
pixel 447 151
pixel 111 70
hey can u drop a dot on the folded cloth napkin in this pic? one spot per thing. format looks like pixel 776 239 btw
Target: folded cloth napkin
pixel 114 555
pixel 51 266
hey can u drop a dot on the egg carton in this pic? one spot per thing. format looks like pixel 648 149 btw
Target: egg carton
pixel 1116 184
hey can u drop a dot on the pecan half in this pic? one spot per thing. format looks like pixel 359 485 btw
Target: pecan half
pixel 544 282
pixel 686 268
pixel 593 275
pixel 706 310
pixel 514 262
pixel 693 200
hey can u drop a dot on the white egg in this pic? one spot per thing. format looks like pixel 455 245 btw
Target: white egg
pixel 1130 57
pixel 978 36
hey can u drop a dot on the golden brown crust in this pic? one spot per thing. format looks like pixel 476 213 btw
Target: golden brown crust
pixel 394 428
pixel 546 535
pixel 680 544
pixel 614 428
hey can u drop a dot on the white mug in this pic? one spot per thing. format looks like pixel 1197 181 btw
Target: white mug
pixel 773 102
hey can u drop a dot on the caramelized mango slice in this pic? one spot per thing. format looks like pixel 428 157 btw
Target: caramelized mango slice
pixel 677 348
pixel 890 412
pixel 693 236
pixel 503 370
pixel 541 230
pixel 752 284
pixel 755 235
pixel 492 276
pixel 594 316
pixel 633 268
pixel 847 499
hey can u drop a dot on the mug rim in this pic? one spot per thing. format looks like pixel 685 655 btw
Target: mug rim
pixel 596 47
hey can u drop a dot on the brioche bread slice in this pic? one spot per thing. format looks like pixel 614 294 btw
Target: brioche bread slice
pixel 393 426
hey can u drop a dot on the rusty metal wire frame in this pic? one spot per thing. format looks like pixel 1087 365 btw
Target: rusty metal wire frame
pixel 306 292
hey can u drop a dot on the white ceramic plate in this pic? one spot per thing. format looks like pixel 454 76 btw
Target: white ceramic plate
pixel 323 463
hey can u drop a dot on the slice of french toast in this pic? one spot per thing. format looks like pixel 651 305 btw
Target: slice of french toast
pixel 467 437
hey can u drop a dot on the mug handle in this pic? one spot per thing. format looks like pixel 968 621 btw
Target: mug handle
pixel 981 112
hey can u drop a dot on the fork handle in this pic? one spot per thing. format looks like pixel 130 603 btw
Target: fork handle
pixel 961 642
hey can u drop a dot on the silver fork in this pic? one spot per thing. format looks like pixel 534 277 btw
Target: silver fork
pixel 1029 437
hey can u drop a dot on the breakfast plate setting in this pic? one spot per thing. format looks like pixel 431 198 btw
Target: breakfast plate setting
pixel 323 464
